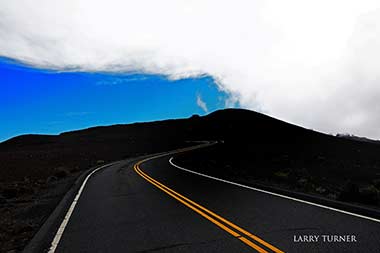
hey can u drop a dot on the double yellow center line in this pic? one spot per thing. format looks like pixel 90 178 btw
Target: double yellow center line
pixel 236 231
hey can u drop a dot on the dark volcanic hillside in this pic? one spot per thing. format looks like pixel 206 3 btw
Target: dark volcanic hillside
pixel 36 170
pixel 260 149
pixel 258 141
pixel 253 139
pixel 252 142
pixel 37 155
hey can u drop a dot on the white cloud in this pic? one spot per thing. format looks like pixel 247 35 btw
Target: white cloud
pixel 111 81
pixel 314 63
pixel 202 104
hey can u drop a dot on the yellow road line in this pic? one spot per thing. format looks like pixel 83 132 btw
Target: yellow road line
pixel 194 206
pixel 225 228
pixel 256 238
pixel 220 218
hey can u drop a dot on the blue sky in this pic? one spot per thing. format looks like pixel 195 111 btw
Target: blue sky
pixel 47 102
pixel 279 59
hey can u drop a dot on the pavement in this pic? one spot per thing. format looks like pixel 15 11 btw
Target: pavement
pixel 151 206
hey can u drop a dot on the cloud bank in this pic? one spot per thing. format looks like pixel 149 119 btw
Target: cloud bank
pixel 313 63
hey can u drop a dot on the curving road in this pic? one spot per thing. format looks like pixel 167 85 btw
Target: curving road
pixel 152 206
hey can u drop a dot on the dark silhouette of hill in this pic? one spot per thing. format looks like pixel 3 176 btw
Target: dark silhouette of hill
pixel 36 156
pixel 258 148
pixel 249 137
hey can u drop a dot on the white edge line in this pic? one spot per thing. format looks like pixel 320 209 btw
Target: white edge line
pixel 272 193
pixel 63 225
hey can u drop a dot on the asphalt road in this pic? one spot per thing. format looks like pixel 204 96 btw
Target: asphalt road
pixel 155 207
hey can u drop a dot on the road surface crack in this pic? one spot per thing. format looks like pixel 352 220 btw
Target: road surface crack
pixel 179 245
pixel 164 247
